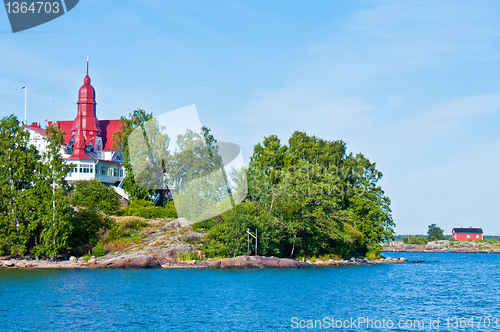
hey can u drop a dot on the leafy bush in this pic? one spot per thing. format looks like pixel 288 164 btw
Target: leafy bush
pixel 147 210
pixel 116 232
pixel 87 257
pixel 186 256
pixel 372 255
pixel 86 225
pixel 95 195
pixel 98 250
pixel 170 211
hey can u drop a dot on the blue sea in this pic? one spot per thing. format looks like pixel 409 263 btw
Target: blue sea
pixel 450 291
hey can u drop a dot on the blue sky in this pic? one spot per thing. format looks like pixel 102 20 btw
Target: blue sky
pixel 413 85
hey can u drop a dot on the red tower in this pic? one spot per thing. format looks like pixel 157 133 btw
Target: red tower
pixel 85 129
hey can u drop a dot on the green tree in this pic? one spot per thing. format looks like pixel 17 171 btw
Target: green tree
pixel 95 195
pixel 435 233
pixel 51 194
pixel 18 171
pixel 312 198
pixel 197 171
pixel 136 119
pixel 418 240
pixel 34 212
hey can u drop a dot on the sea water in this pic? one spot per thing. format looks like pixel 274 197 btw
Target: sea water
pixel 449 291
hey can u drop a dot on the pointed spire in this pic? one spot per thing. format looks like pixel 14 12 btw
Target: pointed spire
pixel 86 125
pixel 86 80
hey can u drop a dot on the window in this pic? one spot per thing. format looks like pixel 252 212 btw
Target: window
pixel 104 170
pixel 75 169
pixel 115 172
pixel 110 171
pixel 468 236
pixel 86 168
pixel 477 236
pixel 121 172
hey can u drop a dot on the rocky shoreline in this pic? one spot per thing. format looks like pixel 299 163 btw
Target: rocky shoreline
pixel 164 243
pixel 145 262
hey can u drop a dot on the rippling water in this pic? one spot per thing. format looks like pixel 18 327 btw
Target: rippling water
pixel 447 285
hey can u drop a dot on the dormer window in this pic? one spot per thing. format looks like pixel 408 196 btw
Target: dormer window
pixel 89 147
pixel 99 144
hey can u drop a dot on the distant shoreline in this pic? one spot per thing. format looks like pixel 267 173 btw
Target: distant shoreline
pixel 447 249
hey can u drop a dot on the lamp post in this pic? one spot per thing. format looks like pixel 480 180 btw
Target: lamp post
pixel 248 239
pixel 25 88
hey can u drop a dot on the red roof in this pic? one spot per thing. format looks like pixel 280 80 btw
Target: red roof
pixel 108 127
pixel 36 128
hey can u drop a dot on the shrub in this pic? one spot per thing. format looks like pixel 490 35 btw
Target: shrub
pixel 186 256
pixel 86 225
pixel 87 256
pixel 123 234
pixel 95 195
pixel 147 210
pixel 98 250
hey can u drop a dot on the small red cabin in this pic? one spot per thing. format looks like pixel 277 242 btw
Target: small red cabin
pixel 467 234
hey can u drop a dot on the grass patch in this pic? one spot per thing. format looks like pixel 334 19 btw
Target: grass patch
pixel 124 234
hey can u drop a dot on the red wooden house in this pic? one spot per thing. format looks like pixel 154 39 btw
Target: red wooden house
pixel 467 234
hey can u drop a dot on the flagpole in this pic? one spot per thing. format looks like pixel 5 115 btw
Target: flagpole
pixel 25 102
